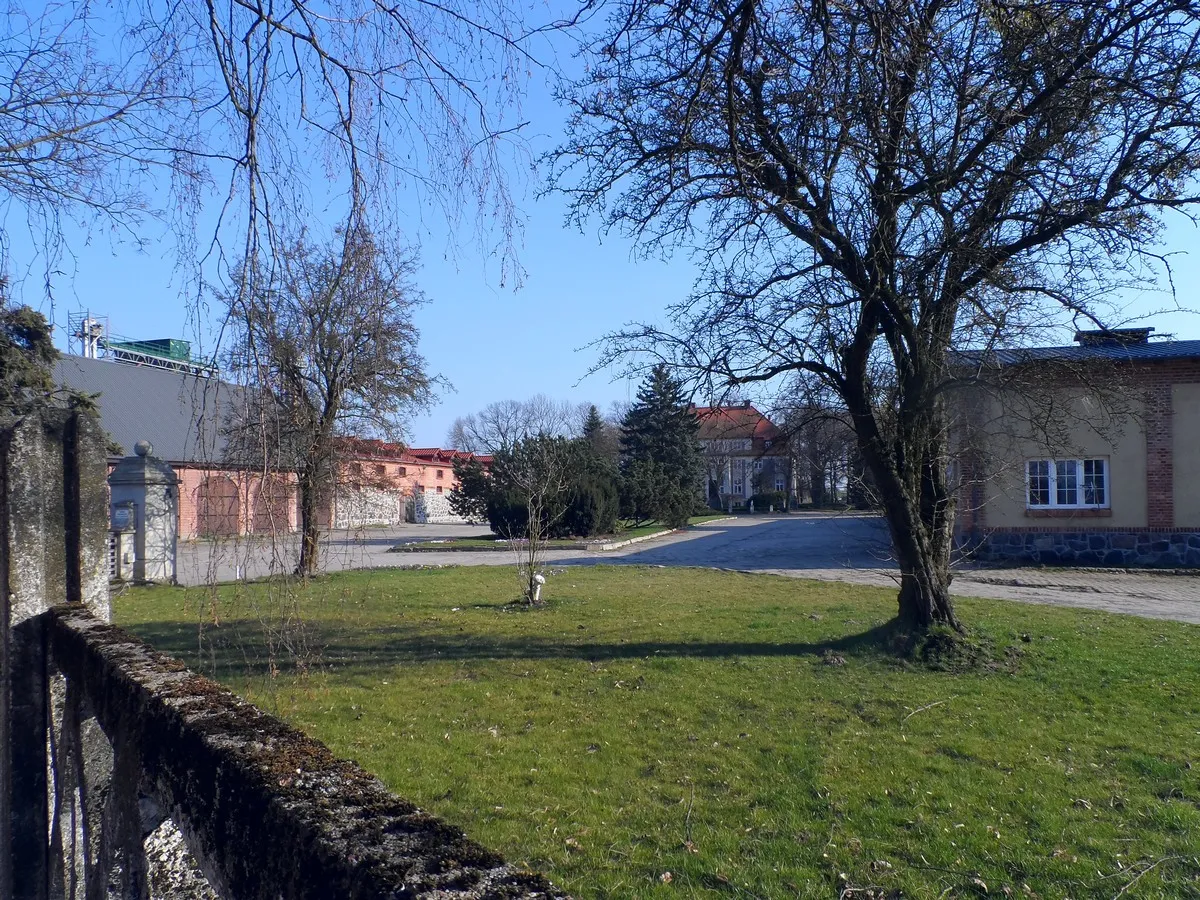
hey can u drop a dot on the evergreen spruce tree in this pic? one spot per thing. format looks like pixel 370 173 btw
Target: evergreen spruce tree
pixel 593 426
pixel 602 436
pixel 661 462
pixel 27 356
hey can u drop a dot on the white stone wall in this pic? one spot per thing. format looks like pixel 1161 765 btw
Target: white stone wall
pixel 359 507
pixel 434 509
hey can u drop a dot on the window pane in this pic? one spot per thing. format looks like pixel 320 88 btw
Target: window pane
pixel 1094 482
pixel 1039 482
pixel 1066 482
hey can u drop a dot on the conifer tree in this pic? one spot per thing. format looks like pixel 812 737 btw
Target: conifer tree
pixel 593 425
pixel 27 356
pixel 661 463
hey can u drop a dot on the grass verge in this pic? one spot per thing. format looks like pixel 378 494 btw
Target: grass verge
pixel 749 735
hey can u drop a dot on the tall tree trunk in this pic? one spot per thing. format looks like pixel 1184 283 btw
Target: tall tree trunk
pixel 924 598
pixel 310 527
pixel 908 468
pixel 921 523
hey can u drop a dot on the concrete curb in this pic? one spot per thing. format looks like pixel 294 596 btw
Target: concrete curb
pixel 401 548
pixel 579 545
pixel 616 545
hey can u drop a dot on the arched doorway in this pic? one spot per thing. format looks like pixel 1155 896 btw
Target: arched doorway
pixel 217 506
pixel 273 506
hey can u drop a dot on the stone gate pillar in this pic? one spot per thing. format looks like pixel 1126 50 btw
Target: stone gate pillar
pixel 149 487
pixel 53 550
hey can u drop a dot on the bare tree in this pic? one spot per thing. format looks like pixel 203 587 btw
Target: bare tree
pixel 820 437
pixel 504 423
pixel 327 347
pixel 869 184
pixel 537 472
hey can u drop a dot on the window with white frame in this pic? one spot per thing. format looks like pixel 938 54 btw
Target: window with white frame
pixel 737 485
pixel 1066 483
pixel 758 465
pixel 780 483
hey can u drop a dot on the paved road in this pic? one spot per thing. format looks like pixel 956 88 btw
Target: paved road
pixel 824 546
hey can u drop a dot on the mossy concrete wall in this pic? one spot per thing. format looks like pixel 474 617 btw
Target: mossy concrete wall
pixel 53 530
pixel 268 812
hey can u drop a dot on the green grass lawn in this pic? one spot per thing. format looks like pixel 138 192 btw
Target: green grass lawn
pixel 698 723
pixel 488 541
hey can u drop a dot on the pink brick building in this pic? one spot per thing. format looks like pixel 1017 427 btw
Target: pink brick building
pixel 185 417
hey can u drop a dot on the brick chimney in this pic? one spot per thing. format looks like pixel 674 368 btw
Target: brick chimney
pixel 1111 337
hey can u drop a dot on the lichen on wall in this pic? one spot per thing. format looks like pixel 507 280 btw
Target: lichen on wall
pixel 267 811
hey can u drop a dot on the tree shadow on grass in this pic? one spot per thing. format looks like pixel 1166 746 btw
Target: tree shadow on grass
pixel 236 648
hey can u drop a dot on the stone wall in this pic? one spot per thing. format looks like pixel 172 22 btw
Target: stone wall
pixel 361 507
pixel 434 509
pixel 1120 548
pixel 53 549
pixel 267 811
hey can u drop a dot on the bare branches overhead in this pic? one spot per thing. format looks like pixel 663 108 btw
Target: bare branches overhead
pixel 121 112
pixel 948 160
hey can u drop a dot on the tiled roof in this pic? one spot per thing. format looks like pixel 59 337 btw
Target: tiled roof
pixel 730 422
pixel 181 415
pixel 438 455
pixel 372 447
pixel 420 456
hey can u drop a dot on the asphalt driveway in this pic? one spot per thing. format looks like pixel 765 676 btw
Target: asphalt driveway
pixel 832 547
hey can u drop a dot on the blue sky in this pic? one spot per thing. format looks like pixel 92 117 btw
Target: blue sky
pixel 490 342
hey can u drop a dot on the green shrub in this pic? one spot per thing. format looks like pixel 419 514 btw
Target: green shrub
pixel 583 503
pixel 766 499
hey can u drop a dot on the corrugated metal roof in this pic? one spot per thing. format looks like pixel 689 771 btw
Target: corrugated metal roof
pixel 1118 352
pixel 181 415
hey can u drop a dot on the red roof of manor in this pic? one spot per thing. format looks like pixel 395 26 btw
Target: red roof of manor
pixel 729 422
pixel 438 455
pixel 421 456
pixel 372 447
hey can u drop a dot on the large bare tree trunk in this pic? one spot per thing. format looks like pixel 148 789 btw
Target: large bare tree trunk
pixel 923 554
pixel 310 527
pixel 907 462
pixel 921 525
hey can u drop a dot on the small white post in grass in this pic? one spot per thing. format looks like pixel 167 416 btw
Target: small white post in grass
pixel 538 581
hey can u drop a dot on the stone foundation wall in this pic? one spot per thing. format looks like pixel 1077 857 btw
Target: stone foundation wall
pixel 1132 548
